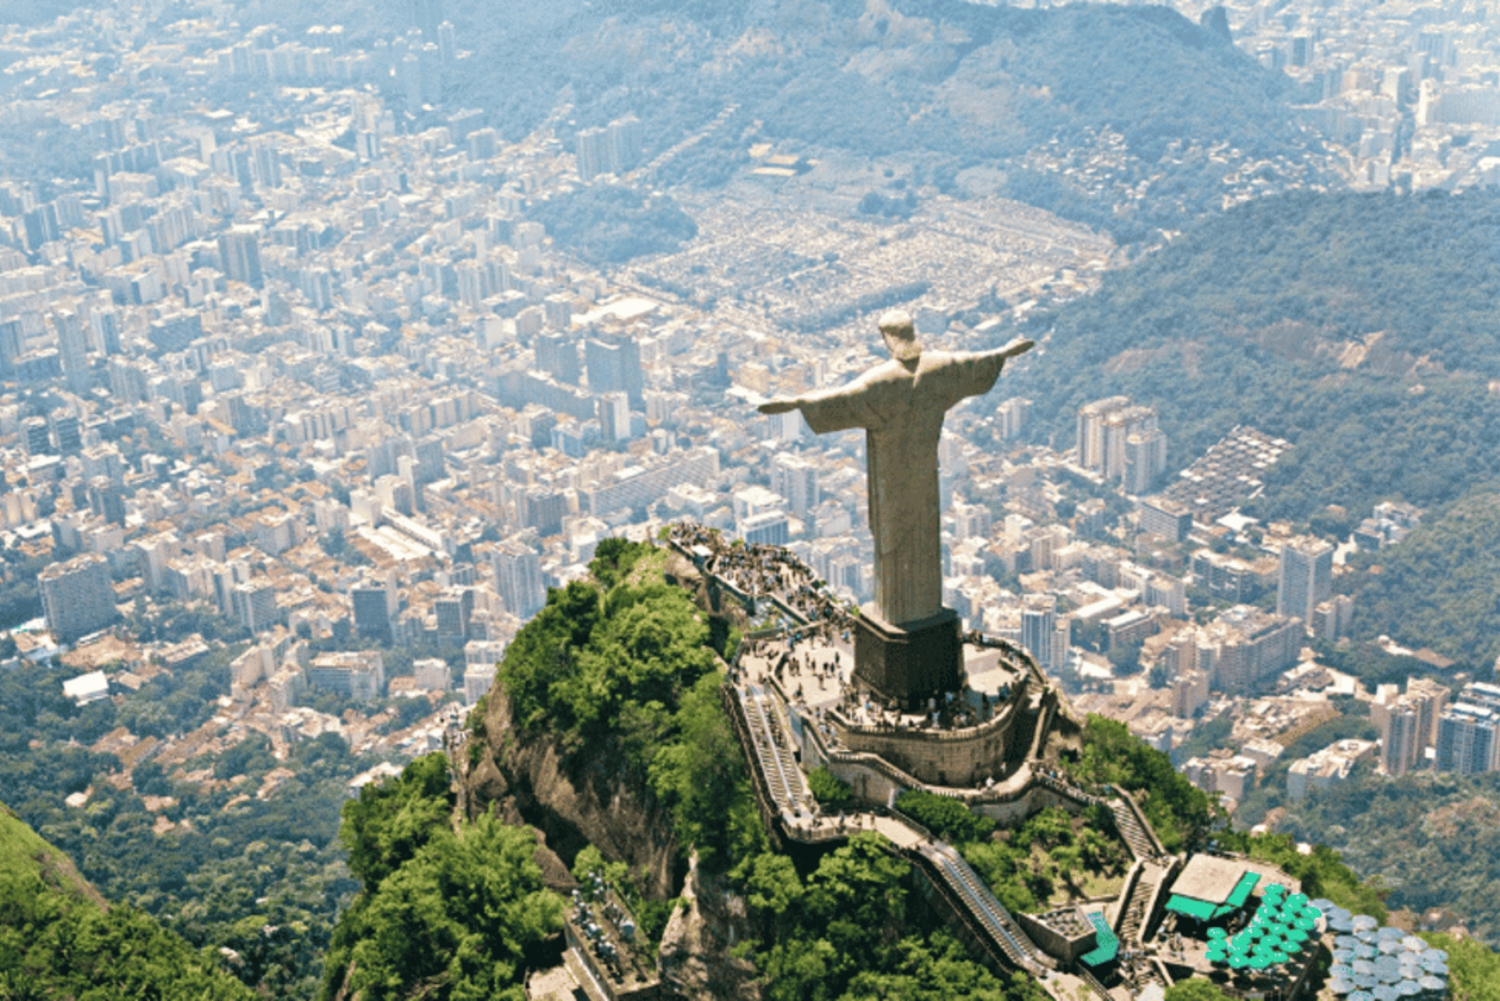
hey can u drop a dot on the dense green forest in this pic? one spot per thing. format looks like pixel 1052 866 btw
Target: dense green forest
pixel 59 939
pixel 1438 588
pixel 620 671
pixel 445 913
pixel 263 877
pixel 1432 839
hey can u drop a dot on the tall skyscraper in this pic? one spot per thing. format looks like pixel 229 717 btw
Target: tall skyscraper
pixel 1119 426
pixel 1466 739
pixel 67 433
pixel 255 605
pixel 557 355
pixel 518 578
pixel 239 253
pixel 73 348
pixel 592 149
pixel 1306 577
pixel 374 604
pixel 1409 724
pixel 615 366
pixel 452 610
pixel 624 138
pixel 1145 460
pixel 796 479
pixel 1091 430
pixel 1038 624
pixel 38 441
pixel 77 596
pixel 614 416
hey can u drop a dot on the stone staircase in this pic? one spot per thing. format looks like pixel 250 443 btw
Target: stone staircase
pixel 1141 844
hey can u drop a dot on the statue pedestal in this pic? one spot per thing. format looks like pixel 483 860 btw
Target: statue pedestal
pixel 909 664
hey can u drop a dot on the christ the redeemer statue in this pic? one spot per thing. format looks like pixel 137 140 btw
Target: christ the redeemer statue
pixel 901 404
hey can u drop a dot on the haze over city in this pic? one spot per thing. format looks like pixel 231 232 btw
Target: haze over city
pixel 441 442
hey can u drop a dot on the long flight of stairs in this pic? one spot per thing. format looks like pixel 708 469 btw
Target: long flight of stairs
pixel 1133 916
pixel 776 760
pixel 1139 842
pixel 981 903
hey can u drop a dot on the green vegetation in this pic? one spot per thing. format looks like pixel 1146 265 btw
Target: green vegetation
pixel 444 915
pixel 852 930
pixel 948 818
pixel 59 940
pixel 1438 587
pixel 1316 318
pixel 610 224
pixel 1473 968
pixel 1051 852
pixel 20 598
pixel 1322 871
pixel 1195 989
pixel 1430 838
pixel 264 878
pixel 830 793
pixel 1181 813
pixel 623 678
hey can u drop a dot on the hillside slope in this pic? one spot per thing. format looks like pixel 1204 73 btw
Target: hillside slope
pixel 1361 328
pixel 947 85
pixel 59 939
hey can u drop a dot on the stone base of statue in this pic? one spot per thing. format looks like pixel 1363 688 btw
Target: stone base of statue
pixel 911 663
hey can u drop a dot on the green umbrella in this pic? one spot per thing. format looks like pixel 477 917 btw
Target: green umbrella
pixel 1239 961
pixel 1292 945
pixel 1278 957
pixel 1296 935
pixel 1308 923
pixel 1217 933
pixel 1259 962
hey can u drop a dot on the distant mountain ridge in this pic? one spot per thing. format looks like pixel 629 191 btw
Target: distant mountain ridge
pixel 950 85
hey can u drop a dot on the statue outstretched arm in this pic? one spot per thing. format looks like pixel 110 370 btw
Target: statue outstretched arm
pixel 976 373
pixel 828 410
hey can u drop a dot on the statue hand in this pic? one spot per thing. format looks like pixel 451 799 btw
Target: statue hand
pixel 778 406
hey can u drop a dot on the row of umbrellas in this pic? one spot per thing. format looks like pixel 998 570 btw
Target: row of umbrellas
pixel 1282 926
pixel 1371 963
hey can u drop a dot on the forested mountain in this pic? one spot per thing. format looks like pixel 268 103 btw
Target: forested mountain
pixel 1432 839
pixel 59 939
pixel 1439 586
pixel 947 85
pixel 1360 327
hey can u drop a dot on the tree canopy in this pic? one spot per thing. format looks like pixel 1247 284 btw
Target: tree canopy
pixel 58 939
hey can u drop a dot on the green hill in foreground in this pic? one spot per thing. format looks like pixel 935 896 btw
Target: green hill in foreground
pixel 58 938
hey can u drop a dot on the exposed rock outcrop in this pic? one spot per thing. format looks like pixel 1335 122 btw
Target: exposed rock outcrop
pixel 573 803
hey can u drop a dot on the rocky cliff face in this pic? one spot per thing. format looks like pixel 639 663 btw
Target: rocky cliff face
pixel 695 948
pixel 573 803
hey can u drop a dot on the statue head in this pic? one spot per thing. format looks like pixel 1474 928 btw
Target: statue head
pixel 900 335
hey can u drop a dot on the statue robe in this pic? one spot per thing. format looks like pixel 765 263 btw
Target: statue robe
pixel 901 406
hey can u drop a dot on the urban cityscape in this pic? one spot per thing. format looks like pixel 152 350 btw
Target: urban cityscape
pixel 326 387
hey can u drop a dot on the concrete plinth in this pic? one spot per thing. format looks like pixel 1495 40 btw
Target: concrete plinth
pixel 911 664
